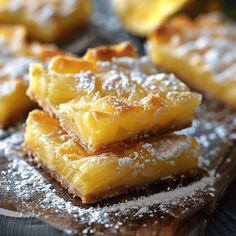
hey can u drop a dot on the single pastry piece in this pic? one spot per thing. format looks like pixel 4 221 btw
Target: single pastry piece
pixel 111 95
pixel 142 17
pixel 16 54
pixel 97 177
pixel 47 20
pixel 201 52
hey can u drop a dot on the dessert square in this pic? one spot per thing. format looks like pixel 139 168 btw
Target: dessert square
pixel 104 100
pixel 16 54
pixel 202 52
pixel 97 177
pixel 47 20
pixel 142 17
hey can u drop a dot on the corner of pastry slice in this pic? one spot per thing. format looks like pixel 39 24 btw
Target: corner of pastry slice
pixel 16 54
pixel 103 103
pixel 14 104
pixel 47 21
pixel 201 52
pixel 97 177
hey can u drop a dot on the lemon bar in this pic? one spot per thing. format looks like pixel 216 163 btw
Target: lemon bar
pixel 202 52
pixel 47 20
pixel 142 17
pixel 96 177
pixel 16 54
pixel 103 100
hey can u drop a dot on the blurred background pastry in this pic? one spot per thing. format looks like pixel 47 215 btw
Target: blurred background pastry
pixel 142 17
pixel 47 20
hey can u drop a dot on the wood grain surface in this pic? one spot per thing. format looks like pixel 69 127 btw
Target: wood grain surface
pixel 21 189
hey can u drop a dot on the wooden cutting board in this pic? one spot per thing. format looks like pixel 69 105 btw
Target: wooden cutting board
pixel 175 206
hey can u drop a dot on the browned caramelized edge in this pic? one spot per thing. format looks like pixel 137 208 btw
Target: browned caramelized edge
pixel 169 28
pixel 106 53
pixel 177 24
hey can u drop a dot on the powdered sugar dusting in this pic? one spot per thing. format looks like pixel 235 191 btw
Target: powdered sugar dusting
pixel 16 68
pixel 125 161
pixel 132 81
pixel 168 198
pixel 29 182
pixel 166 149
pixel 144 73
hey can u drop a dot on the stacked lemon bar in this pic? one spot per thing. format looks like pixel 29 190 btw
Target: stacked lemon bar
pixel 16 53
pixel 107 122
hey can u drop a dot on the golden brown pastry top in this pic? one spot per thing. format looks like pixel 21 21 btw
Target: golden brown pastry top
pixel 106 53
